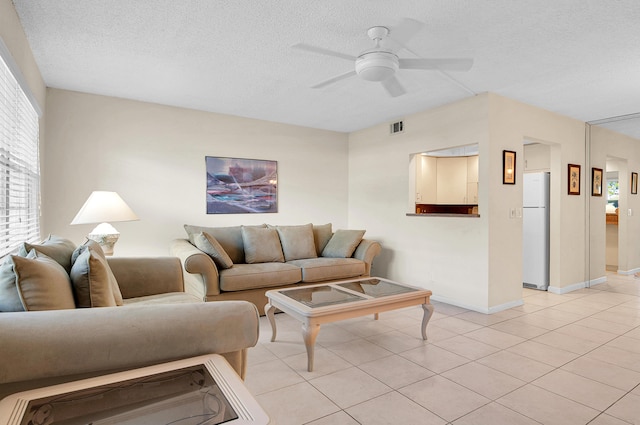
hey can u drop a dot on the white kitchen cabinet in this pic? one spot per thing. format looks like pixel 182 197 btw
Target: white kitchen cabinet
pixel 472 193
pixel 472 169
pixel 452 180
pixel 537 157
pixel 447 180
pixel 426 176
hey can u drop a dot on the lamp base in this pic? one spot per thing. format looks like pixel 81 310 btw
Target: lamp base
pixel 106 236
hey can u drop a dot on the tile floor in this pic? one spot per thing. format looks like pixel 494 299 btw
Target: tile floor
pixel 558 359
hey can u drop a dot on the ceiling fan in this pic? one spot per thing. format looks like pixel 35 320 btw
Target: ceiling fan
pixel 381 62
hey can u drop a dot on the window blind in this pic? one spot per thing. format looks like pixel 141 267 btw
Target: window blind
pixel 19 165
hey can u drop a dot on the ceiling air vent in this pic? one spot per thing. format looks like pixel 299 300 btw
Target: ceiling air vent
pixel 396 127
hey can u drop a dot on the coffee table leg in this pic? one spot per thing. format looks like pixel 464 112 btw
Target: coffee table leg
pixel 270 310
pixel 428 312
pixel 309 334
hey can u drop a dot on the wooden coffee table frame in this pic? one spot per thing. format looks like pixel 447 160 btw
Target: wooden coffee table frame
pixel 313 317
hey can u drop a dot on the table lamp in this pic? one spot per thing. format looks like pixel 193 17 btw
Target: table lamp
pixel 103 207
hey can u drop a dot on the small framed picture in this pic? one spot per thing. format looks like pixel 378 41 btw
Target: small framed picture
pixel 596 181
pixel 574 179
pixel 508 167
pixel 634 183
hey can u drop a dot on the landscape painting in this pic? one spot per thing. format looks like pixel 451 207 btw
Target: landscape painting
pixel 241 186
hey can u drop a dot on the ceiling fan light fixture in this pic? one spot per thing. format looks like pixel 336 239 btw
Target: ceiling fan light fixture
pixel 376 65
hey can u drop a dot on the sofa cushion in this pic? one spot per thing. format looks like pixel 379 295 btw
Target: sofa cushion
pixel 261 245
pixel 166 298
pixel 324 268
pixel 9 296
pixel 55 247
pixel 263 275
pixel 210 246
pixel 297 241
pixel 343 243
pixel 91 281
pixel 321 235
pixel 97 250
pixel 230 238
pixel 42 283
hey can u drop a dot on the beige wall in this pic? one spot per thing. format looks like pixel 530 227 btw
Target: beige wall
pixel 512 122
pixel 154 157
pixel 471 262
pixel 14 38
pixel 447 255
pixel 622 153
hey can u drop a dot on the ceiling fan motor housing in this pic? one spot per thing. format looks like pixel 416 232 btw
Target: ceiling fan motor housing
pixel 376 65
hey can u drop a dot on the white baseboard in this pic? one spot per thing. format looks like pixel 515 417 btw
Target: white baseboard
pixel 598 281
pixel 505 306
pixel 576 286
pixel 566 289
pixel 628 272
pixel 484 310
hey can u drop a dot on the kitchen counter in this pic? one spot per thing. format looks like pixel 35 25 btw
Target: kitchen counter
pixel 447 209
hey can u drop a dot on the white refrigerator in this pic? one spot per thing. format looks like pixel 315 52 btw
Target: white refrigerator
pixel 535 231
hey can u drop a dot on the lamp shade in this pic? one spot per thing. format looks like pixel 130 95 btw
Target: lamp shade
pixel 103 206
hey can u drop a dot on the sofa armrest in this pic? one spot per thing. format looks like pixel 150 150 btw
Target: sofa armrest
pixel 41 345
pixel 366 251
pixel 141 276
pixel 199 269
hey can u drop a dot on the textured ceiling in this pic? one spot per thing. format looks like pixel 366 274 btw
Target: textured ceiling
pixel 580 58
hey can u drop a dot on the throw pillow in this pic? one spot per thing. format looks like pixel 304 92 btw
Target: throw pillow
pixel 88 244
pixel 261 245
pixel 91 281
pixel 42 283
pixel 60 249
pixel 297 242
pixel 321 235
pixel 230 238
pixel 343 243
pixel 210 246
pixel 9 296
pixel 92 277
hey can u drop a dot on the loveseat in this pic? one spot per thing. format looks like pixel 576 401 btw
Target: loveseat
pixel 70 312
pixel 243 262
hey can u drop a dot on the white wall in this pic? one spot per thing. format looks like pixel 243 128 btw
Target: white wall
pixel 448 255
pixel 512 122
pixel 471 262
pixel 623 153
pixel 14 38
pixel 154 157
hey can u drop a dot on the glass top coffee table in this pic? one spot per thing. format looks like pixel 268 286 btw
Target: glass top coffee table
pixel 330 302
pixel 196 391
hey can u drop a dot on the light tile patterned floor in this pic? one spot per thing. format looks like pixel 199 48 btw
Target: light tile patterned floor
pixel 558 359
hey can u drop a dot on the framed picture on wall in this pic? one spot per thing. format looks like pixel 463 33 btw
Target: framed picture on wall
pixel 241 186
pixel 596 181
pixel 634 183
pixel 574 179
pixel 508 167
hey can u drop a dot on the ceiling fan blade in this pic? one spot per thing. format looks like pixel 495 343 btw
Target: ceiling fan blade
pixel 321 51
pixel 393 86
pixel 443 64
pixel 334 79
pixel 400 35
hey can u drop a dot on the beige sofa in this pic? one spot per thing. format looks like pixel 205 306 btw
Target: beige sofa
pixel 243 262
pixel 157 320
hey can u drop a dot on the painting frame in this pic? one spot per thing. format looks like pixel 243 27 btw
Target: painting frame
pixel 573 178
pixel 241 185
pixel 596 181
pixel 634 183
pixel 508 167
